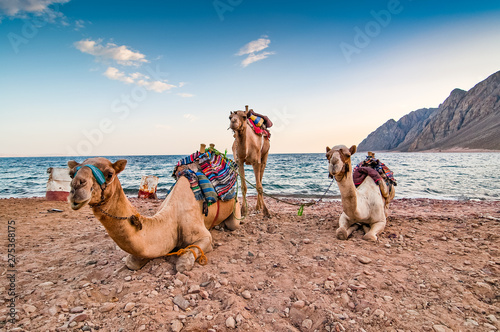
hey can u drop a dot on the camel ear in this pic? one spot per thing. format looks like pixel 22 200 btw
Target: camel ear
pixel 353 149
pixel 119 165
pixel 327 149
pixel 72 164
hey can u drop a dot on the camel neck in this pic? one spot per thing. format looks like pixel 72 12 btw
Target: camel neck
pixel 348 193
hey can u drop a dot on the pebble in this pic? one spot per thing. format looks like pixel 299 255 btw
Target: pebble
pixel 230 322
pixel 441 328
pixel 76 310
pixel 128 278
pixel 246 295
pixel 364 260
pixel 492 318
pixel 78 318
pixel 53 311
pixel 176 325
pixel 344 298
pixel 307 324
pixel 29 309
pixel 204 294
pixel 129 306
pixel 379 313
pixel 181 302
pixel 329 285
pixel 306 241
pixel 471 322
pixel 194 289
pixel 299 304
pixel 490 327
pixel 239 319
pixel 106 307
pixel 46 284
pixel 388 298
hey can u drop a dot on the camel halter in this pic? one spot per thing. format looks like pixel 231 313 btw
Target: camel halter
pixel 101 180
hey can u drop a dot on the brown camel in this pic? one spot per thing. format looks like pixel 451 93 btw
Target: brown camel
pixel 178 223
pixel 251 149
pixel 363 205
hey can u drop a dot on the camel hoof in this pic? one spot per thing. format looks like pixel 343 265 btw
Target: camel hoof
pixel 135 263
pixel 185 262
pixel 370 237
pixel 266 213
pixel 341 234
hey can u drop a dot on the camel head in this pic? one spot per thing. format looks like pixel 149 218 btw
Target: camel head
pixel 339 160
pixel 238 119
pixel 85 186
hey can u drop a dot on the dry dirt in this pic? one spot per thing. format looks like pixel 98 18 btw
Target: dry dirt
pixel 435 268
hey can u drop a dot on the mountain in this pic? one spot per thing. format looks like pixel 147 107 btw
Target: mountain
pixel 466 119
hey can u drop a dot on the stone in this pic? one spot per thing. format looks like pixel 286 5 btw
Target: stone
pixel 246 294
pixel 345 299
pixel 194 289
pixel 490 327
pixel 29 309
pixel 329 285
pixel 46 284
pixel 76 310
pixel 307 324
pixel 53 311
pixel 492 318
pixel 129 306
pixel 176 325
pixel 78 318
pixel 181 302
pixel 128 278
pixel 388 298
pixel 299 304
pixel 364 260
pixel 441 328
pixel 107 307
pixel 379 313
pixel 306 241
pixel 230 323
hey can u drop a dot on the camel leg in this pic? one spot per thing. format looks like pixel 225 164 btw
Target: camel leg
pixel 186 261
pixel 135 263
pixel 260 191
pixel 375 229
pixel 241 168
pixel 233 221
pixel 345 230
pixel 264 207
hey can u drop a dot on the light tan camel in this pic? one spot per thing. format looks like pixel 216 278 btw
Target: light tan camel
pixel 364 205
pixel 251 149
pixel 178 223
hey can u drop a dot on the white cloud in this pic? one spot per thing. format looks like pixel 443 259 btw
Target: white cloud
pixel 252 49
pixel 185 95
pixel 121 54
pixel 138 79
pixel 17 7
pixel 251 58
pixel 79 24
pixel 191 117
pixel 254 46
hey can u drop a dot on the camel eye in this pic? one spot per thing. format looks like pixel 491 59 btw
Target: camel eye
pixel 110 175
pixel 244 117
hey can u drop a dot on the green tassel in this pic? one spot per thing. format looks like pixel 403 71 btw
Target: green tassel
pixel 301 210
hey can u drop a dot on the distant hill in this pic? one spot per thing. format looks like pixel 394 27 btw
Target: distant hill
pixel 466 119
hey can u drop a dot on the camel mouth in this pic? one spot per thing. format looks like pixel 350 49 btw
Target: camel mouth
pixel 78 205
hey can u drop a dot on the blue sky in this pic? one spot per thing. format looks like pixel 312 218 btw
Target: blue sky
pixel 159 77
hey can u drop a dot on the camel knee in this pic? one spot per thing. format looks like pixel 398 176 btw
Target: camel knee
pixel 370 237
pixel 341 233
pixel 135 263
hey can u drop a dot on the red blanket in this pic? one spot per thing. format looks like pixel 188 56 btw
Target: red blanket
pixel 260 131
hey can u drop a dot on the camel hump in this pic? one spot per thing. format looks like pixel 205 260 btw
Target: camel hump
pixel 261 119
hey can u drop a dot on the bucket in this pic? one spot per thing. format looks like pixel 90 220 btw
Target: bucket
pixel 58 185
pixel 149 183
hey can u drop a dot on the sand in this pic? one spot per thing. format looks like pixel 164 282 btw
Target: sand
pixel 435 268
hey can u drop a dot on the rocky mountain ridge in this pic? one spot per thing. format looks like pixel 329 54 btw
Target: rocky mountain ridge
pixel 465 120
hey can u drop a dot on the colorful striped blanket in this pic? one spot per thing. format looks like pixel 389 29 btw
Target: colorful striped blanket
pixel 214 179
pixel 383 170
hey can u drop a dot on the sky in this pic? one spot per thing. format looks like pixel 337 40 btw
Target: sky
pixel 117 78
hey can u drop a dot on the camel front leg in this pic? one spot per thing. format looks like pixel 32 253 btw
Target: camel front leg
pixel 260 190
pixel 233 221
pixel 375 229
pixel 345 229
pixel 241 168
pixel 185 262
pixel 135 263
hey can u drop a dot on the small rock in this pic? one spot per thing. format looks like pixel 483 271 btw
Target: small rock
pixel 78 318
pixel 388 298
pixel 345 299
pixel 194 289
pixel 246 295
pixel 204 294
pixel 441 328
pixel 364 260
pixel 471 322
pixel 299 304
pixel 306 241
pixel 239 319
pixel 230 323
pixel 492 318
pixel 467 263
pixel 76 310
pixel 128 278
pixel 181 302
pixel 46 284
pixel 379 313
pixel 53 311
pixel 412 312
pixel 107 307
pixel 29 309
pixel 86 328
pixel 176 325
pixel 271 310
pixel 129 306
pixel 490 327
pixel 307 324
pixel 329 285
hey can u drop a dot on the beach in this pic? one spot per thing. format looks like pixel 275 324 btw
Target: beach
pixel 434 268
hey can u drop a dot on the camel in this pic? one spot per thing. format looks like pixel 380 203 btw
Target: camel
pixel 363 205
pixel 178 223
pixel 251 149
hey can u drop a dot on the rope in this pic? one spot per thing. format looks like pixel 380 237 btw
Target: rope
pixel 203 260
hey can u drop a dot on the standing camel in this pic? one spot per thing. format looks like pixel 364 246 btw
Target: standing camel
pixel 251 149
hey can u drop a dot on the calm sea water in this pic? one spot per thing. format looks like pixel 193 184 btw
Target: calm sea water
pixel 456 176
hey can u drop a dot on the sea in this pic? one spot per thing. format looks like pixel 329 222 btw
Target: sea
pixel 450 176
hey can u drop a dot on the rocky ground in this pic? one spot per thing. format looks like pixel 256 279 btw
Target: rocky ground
pixel 435 268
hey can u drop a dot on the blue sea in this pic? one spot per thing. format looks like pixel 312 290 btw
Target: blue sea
pixel 453 176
